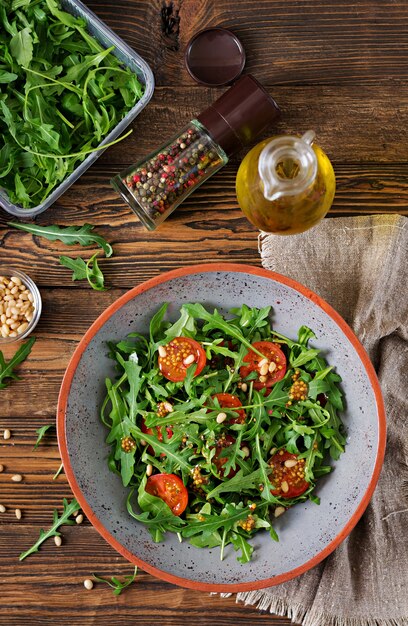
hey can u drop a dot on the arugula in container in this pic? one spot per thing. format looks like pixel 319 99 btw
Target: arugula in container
pixel 217 425
pixel 61 93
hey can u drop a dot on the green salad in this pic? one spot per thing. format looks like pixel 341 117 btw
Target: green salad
pixel 219 424
pixel 61 93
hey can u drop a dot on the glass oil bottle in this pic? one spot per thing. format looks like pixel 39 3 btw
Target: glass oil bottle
pixel 285 185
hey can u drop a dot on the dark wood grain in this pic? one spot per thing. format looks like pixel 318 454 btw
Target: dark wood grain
pixel 305 42
pixel 337 66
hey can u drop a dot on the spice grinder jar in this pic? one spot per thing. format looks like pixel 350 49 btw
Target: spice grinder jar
pixel 155 186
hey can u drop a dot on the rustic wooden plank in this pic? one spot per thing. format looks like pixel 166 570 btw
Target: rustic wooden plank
pixel 362 124
pixel 320 42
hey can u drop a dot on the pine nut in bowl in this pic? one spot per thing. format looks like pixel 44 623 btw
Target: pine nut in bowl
pixel 20 305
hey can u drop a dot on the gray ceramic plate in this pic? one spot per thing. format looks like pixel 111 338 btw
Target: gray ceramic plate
pixel 307 532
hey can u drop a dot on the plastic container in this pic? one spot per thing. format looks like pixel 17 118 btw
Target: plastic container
pixel 106 37
pixel 37 302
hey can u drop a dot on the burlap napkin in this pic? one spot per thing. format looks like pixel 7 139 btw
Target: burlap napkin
pixel 359 265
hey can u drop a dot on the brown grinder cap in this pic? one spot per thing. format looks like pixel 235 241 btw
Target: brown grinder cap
pixel 240 114
pixel 214 57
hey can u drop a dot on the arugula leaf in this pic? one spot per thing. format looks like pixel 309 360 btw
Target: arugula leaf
pixel 215 320
pixel 238 483
pixel 156 321
pixel 69 509
pixel 240 543
pixel 41 432
pixel 7 77
pixel 115 583
pixel 7 368
pixel 210 523
pixel 86 269
pixel 184 323
pixel 70 235
pixel 21 46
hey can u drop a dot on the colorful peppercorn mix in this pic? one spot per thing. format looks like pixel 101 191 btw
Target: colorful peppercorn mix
pixel 156 186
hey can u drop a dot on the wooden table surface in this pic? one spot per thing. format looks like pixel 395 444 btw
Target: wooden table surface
pixel 339 67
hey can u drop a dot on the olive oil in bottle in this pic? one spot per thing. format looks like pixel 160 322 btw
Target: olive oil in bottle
pixel 286 184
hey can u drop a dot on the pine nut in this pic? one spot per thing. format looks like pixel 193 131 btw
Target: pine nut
pixel 3 318
pixel 284 486
pixel 264 369
pixel 16 280
pixel 244 387
pixel 279 511
pixel 22 328
pixel 79 518
pixel 189 359
pixel 14 290
pixel 263 362
pixel 31 297
pixel 221 417
pixel 5 330
pixel 57 541
pixel 272 450
pixel 1 468
pixel 7 434
pixel 290 463
pixel 10 284
pixel 143 442
pixel 162 352
pixel 168 406
pixel 2 508
pixel 29 317
pixel 263 379
pixel 245 450
pixel 149 470
pixel 272 367
pixel 17 478
pixel 88 584
pixel 13 334
pixel 18 513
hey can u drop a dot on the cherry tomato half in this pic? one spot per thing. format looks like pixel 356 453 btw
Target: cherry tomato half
pixel 170 489
pixel 158 434
pixel 229 401
pixel 180 349
pixel 274 354
pixel 292 478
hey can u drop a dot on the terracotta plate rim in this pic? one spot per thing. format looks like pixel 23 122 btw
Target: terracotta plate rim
pixel 199 269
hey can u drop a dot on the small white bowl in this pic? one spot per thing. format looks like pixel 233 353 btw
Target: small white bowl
pixel 32 287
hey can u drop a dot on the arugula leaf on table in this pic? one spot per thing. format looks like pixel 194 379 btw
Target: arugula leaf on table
pixel 69 509
pixel 117 585
pixel 7 368
pixel 69 235
pixel 41 432
pixel 86 269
